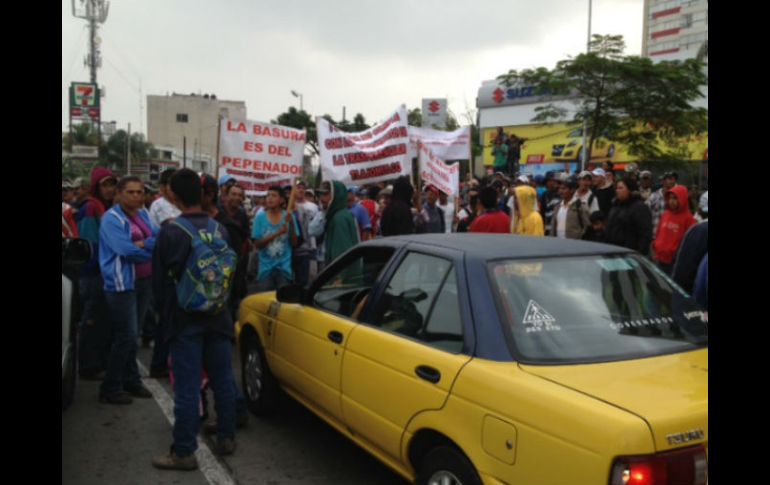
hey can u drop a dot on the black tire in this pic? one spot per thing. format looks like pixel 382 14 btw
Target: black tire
pixel 447 462
pixel 259 385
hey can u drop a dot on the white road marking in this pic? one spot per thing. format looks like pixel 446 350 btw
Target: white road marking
pixel 214 472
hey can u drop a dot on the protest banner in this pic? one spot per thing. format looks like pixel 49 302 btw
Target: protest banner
pixel 434 171
pixel 259 155
pixel 446 145
pixel 377 154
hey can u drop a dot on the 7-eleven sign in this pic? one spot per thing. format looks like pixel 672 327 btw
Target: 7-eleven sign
pixel 83 95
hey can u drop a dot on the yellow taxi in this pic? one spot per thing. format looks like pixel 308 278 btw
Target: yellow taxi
pixel 494 359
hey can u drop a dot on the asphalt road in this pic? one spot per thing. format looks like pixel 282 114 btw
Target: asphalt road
pixel 104 443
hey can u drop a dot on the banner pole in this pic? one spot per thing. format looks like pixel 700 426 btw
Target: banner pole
pixel 219 137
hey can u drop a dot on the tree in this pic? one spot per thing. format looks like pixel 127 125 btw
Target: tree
pixel 116 148
pixel 414 117
pixel 82 134
pixel 300 120
pixel 625 99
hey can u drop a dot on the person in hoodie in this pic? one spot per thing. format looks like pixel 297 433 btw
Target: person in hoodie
pixel 674 223
pixel 126 240
pixel 528 221
pixel 341 231
pixel 397 217
pixel 629 223
pixel 94 329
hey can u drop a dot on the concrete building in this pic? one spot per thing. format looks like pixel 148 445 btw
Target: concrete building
pixel 674 29
pixel 176 120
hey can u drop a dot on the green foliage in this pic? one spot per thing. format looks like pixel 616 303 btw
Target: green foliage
pixel 626 99
pixel 115 148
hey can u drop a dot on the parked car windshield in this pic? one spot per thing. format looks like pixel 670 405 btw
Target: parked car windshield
pixel 594 309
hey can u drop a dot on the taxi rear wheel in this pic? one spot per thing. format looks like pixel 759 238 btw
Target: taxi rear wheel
pixel 259 385
pixel 447 465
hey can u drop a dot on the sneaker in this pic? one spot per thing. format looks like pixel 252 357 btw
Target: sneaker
pixel 159 373
pixel 225 447
pixel 115 398
pixel 174 462
pixel 139 391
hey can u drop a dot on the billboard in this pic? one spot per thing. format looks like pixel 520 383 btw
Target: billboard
pixel 562 143
pixel 84 101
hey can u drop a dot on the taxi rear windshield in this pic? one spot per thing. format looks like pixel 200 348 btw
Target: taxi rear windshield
pixel 594 309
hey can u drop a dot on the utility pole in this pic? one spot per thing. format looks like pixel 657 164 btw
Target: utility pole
pixel 128 150
pixel 584 162
pixel 94 11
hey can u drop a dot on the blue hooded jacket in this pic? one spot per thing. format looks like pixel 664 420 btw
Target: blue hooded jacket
pixel 117 253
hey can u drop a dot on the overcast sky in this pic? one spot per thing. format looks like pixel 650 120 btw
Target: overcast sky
pixel 369 56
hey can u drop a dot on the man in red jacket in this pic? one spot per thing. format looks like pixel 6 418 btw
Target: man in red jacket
pixel 492 220
pixel 674 223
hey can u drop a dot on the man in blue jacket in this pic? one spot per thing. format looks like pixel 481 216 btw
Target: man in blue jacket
pixel 126 241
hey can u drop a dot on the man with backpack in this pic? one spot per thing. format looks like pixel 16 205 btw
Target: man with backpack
pixel 193 269
pixel 584 192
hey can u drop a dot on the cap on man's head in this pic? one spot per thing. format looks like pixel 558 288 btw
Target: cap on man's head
pixel 81 182
pixel 631 167
pixel 523 179
pixel 599 172
pixel 562 177
pixel 668 175
pixel 645 174
pixel 310 192
pixel 67 184
pixel 539 179
pixel 387 191
pixel 584 174
pixel 226 178
pixel 550 175
pixel 571 182
pixel 302 183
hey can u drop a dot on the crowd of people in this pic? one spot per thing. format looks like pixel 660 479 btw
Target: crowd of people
pixel 143 237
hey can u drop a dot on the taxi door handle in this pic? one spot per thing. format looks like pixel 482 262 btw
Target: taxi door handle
pixel 335 337
pixel 428 373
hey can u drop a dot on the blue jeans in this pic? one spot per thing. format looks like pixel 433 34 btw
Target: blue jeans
pixel 302 268
pixel 272 281
pixel 122 370
pixel 143 288
pixel 191 350
pixel 94 344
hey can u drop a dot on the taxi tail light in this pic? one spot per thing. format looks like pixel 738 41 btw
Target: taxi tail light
pixel 682 467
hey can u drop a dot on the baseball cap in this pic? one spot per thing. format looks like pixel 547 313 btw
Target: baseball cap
pixel 562 177
pixel 599 172
pixel 66 184
pixel 310 191
pixel 584 174
pixel 550 175
pixel 631 167
pixel 539 179
pixel 387 190
pixel 225 179
pixel 523 179
pixel 670 175
pixel 645 174
pixel 571 182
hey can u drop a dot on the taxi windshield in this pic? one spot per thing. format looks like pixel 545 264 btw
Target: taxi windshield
pixel 594 309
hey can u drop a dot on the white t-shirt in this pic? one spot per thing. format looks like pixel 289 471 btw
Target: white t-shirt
pixel 162 210
pixel 449 215
pixel 561 221
pixel 584 199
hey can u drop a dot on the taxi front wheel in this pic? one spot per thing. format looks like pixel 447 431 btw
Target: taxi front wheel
pixel 447 465
pixel 259 385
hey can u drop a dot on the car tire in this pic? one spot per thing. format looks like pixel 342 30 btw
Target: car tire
pixel 259 385
pixel 70 376
pixel 447 464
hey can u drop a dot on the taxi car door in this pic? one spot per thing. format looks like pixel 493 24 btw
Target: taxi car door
pixel 404 356
pixel 309 340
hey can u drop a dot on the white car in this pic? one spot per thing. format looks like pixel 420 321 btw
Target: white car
pixel 74 252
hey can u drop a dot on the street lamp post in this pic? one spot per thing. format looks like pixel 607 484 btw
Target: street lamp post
pixel 298 95
pixel 583 162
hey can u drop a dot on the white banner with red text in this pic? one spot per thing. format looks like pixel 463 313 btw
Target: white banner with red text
pixel 377 154
pixel 433 171
pixel 446 145
pixel 259 155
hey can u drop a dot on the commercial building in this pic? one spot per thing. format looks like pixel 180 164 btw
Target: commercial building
pixel 674 29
